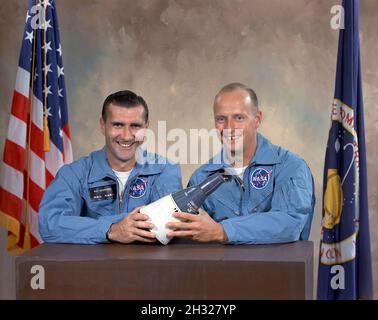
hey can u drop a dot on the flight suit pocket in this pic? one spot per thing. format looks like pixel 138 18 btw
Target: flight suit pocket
pixel 261 199
pixel 101 208
pixel 223 209
pixel 299 196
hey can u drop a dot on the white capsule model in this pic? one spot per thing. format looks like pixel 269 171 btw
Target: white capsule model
pixel 189 200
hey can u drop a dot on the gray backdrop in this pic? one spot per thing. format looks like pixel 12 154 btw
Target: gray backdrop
pixel 178 53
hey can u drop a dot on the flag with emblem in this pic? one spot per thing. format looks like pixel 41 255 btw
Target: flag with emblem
pixel 345 271
pixel 38 139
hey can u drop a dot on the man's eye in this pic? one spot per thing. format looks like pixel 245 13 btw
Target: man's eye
pixel 220 120
pixel 239 118
pixel 117 125
pixel 136 126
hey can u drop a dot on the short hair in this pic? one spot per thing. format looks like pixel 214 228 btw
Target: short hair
pixel 234 86
pixel 127 99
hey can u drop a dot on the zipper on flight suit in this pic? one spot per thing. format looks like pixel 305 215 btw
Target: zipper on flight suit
pixel 127 186
pixel 239 181
pixel 242 199
pixel 121 200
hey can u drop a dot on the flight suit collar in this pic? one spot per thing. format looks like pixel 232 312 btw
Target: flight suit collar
pixel 266 153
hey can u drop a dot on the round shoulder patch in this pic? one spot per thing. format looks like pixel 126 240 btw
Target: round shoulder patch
pixel 260 178
pixel 138 188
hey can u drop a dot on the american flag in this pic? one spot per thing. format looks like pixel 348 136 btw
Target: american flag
pixel 38 141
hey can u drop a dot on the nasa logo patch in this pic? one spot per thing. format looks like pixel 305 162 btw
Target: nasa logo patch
pixel 260 178
pixel 138 188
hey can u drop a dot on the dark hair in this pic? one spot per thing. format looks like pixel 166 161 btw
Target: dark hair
pixel 239 86
pixel 127 99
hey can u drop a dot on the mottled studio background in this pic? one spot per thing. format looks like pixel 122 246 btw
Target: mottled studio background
pixel 178 53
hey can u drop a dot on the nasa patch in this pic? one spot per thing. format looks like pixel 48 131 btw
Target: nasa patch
pixel 138 188
pixel 260 178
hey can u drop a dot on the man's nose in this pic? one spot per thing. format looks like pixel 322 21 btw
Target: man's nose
pixel 229 124
pixel 127 134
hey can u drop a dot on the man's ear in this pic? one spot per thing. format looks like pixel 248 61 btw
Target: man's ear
pixel 258 118
pixel 102 125
pixel 144 137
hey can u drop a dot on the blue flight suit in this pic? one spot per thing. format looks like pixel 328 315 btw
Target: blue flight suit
pixel 83 200
pixel 273 204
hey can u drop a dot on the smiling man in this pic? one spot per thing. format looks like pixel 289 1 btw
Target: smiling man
pixel 97 198
pixel 271 197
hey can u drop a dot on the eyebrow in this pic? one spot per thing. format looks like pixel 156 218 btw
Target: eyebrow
pixel 231 115
pixel 123 123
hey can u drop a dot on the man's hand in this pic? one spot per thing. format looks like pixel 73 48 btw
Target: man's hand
pixel 132 228
pixel 200 227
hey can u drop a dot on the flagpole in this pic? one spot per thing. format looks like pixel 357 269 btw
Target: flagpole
pixel 27 244
pixel 46 132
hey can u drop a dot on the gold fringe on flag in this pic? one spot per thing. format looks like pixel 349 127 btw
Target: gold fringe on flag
pixel 46 134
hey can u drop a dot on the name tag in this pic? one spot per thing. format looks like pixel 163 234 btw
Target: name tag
pixel 103 192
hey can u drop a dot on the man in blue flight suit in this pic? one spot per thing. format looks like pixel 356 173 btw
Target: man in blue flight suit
pixel 97 198
pixel 271 197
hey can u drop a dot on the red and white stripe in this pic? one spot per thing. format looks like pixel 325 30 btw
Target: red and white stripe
pixel 43 166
